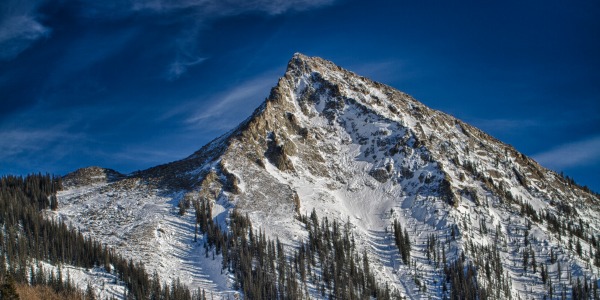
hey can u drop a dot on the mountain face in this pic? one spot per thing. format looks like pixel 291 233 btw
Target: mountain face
pixel 369 157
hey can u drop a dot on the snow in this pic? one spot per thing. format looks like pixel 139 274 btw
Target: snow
pixel 143 225
pixel 379 157
pixel 105 285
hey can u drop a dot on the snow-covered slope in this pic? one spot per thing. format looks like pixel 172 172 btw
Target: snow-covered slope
pixel 361 152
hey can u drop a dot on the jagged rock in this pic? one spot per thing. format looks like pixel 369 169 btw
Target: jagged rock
pixel 91 175
pixel 360 152
pixel 277 153
pixel 380 175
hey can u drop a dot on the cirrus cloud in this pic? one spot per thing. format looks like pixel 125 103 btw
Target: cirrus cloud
pixel 243 97
pixel 195 14
pixel 207 8
pixel 571 154
pixel 19 27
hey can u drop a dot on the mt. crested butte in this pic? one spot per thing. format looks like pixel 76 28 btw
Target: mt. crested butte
pixel 412 202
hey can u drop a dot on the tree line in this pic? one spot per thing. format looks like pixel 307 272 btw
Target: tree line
pixel 27 238
pixel 327 263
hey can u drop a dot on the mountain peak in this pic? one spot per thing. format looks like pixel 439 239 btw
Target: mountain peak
pixel 303 64
pixel 91 175
pixel 299 55
pixel 302 57
pixel 367 155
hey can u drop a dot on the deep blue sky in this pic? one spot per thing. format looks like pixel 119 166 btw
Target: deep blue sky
pixel 132 84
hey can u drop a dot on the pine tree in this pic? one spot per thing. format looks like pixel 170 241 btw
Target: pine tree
pixel 89 293
pixel 533 262
pixel 543 273
pixel 181 206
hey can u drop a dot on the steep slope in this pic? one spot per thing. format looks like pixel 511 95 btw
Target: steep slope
pixel 363 153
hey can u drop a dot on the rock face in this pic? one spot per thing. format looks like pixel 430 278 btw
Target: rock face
pixel 91 175
pixel 362 152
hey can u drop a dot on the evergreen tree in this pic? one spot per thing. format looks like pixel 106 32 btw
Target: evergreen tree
pixel 533 262
pixel 89 293
pixel 525 259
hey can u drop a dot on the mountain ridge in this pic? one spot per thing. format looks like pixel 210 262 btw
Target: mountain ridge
pixel 365 154
pixel 207 152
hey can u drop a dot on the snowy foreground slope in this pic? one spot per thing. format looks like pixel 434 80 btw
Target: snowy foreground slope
pixel 360 152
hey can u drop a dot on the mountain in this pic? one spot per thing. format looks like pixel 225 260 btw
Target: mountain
pixel 434 204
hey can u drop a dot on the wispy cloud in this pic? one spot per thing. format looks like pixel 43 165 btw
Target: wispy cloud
pixel 20 141
pixel 19 27
pixel 43 137
pixel 141 155
pixel 186 52
pixel 571 154
pixel 207 10
pixel 87 51
pixel 225 107
pixel 195 14
pixel 180 66
pixel 215 7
